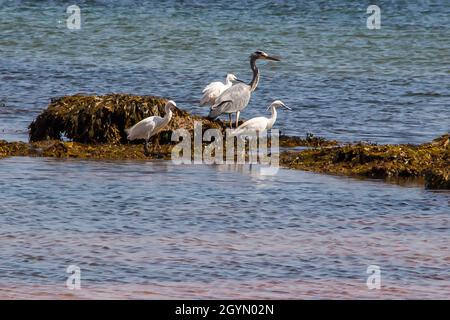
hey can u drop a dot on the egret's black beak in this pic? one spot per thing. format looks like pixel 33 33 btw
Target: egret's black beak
pixel 238 80
pixel 272 58
pixel 286 107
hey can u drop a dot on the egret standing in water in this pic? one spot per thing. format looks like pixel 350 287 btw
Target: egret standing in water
pixel 236 98
pixel 150 126
pixel 215 89
pixel 261 123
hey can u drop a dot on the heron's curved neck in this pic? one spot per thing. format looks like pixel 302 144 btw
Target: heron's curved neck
pixel 168 115
pixel 273 118
pixel 254 83
pixel 228 82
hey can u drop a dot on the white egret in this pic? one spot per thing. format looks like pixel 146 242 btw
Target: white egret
pixel 215 89
pixel 150 126
pixel 261 123
pixel 236 98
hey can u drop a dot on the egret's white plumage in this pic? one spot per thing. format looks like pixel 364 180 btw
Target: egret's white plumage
pixel 215 89
pixel 261 123
pixel 150 126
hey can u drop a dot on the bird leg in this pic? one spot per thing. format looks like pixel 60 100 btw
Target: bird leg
pixel 231 121
pixel 146 152
pixel 157 143
pixel 237 118
pixel 158 146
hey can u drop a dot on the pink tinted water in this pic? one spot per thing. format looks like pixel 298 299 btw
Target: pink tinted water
pixel 155 230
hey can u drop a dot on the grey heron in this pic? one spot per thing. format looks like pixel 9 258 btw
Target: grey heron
pixel 261 123
pixel 150 126
pixel 215 89
pixel 236 98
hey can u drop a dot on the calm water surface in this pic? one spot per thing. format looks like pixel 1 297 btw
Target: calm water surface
pixel 153 229
pixel 156 230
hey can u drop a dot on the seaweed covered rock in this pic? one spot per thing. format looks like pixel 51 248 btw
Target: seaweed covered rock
pixel 96 127
pixel 103 119
pixel 438 178
pixel 77 150
pixel 3 151
pixel 309 141
pixel 13 149
pixel 376 161
pixel 64 149
pixel 430 160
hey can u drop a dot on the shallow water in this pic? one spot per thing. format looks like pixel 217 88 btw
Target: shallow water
pixel 158 230
pixel 344 81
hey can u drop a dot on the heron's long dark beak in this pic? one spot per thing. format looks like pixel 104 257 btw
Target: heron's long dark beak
pixel 238 80
pixel 286 107
pixel 272 58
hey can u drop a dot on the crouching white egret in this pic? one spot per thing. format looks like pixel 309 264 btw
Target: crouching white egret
pixel 150 126
pixel 261 123
pixel 215 89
